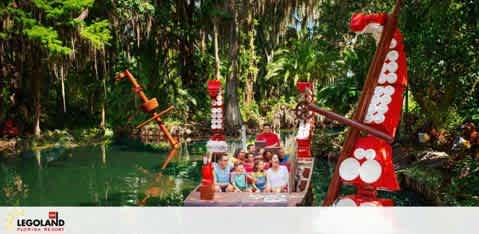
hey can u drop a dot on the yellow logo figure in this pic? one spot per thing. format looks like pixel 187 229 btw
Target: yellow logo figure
pixel 12 216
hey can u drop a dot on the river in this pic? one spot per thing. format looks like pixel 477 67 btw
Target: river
pixel 123 175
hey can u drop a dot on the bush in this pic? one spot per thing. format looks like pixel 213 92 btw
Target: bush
pixel 250 114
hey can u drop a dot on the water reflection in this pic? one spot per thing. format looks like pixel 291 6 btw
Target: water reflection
pixel 103 153
pixel 169 157
pixel 102 175
pixel 119 175
pixel 184 151
pixel 38 157
pixel 157 185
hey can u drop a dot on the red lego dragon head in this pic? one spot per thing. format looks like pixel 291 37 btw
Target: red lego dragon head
pixel 368 23
pixel 359 21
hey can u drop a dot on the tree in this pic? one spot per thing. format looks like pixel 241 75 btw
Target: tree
pixel 233 115
pixel 36 41
pixel 442 62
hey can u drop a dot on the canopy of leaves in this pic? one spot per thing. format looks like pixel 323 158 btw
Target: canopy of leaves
pixel 48 37
pixel 97 33
pixel 169 46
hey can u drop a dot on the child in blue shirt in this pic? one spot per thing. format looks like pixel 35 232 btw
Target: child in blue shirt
pixel 239 179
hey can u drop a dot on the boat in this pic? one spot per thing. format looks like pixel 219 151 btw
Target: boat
pixel 300 195
pixel 300 160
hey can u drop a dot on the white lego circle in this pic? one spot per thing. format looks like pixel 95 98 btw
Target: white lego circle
pixel 345 202
pixel 349 169
pixel 370 171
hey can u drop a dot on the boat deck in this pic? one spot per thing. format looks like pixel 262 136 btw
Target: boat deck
pixel 302 171
pixel 247 199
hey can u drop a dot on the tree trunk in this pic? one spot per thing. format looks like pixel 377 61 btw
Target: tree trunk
pixel 37 81
pixel 249 90
pixel 62 77
pixel 103 112
pixel 252 63
pixel 203 41
pixel 217 56
pixel 233 115
pixel 103 82
pixel 103 116
pixel 187 43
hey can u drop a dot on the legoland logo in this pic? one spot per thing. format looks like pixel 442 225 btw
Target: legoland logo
pixel 53 223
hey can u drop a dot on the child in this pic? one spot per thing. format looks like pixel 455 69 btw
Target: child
pixel 249 163
pixel 259 176
pixel 239 179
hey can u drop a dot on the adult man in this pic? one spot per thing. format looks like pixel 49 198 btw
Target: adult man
pixel 221 172
pixel 251 149
pixel 271 139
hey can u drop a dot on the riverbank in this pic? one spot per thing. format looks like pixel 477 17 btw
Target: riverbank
pixel 8 146
pixel 71 138
pixel 441 188
pixel 64 138
pixel 440 178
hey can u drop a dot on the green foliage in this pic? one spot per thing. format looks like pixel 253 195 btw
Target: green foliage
pixel 91 134
pixel 48 37
pixel 465 184
pixel 250 112
pixel 184 170
pixel 443 64
pixel 97 33
pixel 168 199
pixel 340 96
pixel 13 190
pixel 300 60
pixel 169 48
pixel 272 107
pixel 327 142
pixel 457 187
pixel 162 147
pixel 59 8
pixel 447 120
pixel 66 138
pixel 129 7
pixel 429 177
pixel 21 18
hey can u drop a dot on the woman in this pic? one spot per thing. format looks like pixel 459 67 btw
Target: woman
pixel 277 177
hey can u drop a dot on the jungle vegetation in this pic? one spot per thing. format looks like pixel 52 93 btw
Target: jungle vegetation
pixel 58 59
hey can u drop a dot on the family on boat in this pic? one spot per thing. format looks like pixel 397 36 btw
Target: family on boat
pixel 264 167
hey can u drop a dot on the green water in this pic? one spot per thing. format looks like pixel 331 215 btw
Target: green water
pixel 107 175
pixel 118 175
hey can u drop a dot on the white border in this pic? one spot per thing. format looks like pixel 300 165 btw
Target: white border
pixel 172 220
